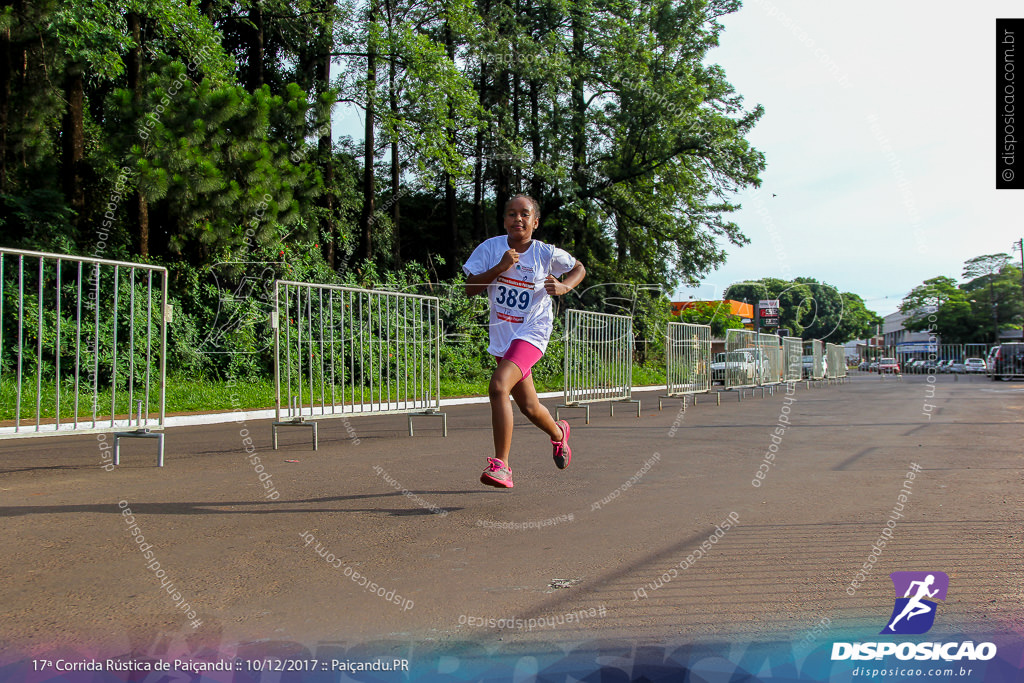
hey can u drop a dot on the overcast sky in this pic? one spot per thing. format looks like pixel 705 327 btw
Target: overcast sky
pixel 879 135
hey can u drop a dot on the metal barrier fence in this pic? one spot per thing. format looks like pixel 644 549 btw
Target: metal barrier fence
pixel 976 350
pixel 687 360
pixel 816 349
pixel 83 346
pixel 770 366
pixel 923 357
pixel 739 363
pixel 598 360
pixel 835 364
pixel 342 351
pixel 793 357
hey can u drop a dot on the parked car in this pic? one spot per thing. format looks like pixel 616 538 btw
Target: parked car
pixel 957 367
pixel 1008 361
pixel 914 366
pixel 888 366
pixel 759 360
pixel 974 365
pixel 737 365
pixel 865 366
pixel 990 360
pixel 944 366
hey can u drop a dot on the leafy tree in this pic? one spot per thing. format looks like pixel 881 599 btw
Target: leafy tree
pixel 194 133
pixel 857 322
pixel 971 312
pixel 714 314
pixel 811 309
pixel 994 290
pixel 218 165
pixel 940 307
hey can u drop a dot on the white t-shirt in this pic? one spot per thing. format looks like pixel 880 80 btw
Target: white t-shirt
pixel 520 306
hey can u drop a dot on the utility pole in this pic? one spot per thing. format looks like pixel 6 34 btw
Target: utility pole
pixel 995 311
pixel 1019 244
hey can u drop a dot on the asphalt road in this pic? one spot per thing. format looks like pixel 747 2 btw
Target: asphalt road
pixel 454 561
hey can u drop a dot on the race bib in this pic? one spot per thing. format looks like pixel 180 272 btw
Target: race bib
pixel 514 295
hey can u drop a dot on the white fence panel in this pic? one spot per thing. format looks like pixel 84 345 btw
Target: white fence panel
pixel 83 346
pixel 598 360
pixel 343 351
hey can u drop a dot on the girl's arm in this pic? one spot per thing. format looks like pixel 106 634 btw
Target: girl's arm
pixel 568 283
pixel 477 284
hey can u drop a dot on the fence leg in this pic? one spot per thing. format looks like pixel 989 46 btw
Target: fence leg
pixel 628 400
pixel 583 406
pixel 430 413
pixel 297 422
pixel 662 399
pixel 142 433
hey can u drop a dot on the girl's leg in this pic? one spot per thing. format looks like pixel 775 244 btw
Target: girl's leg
pixel 525 395
pixel 502 382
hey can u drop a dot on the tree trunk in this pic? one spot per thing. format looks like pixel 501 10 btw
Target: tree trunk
pixel 134 68
pixel 366 217
pixel 73 138
pixel 329 235
pixel 325 143
pixel 5 100
pixel 255 51
pixel 535 186
pixel 479 231
pixel 501 161
pixel 396 170
pixel 579 131
pixel 517 167
pixel 621 240
pixel 449 183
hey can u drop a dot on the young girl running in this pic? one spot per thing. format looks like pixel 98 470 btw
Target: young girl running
pixel 518 273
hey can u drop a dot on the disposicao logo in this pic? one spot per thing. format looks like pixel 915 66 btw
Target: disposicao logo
pixel 914 612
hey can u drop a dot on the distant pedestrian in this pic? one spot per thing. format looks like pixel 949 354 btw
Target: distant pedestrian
pixel 519 275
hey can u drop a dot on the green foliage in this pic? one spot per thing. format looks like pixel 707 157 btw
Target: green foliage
pixel 973 311
pixel 37 219
pixel 811 309
pixel 102 321
pixel 203 143
pixel 714 314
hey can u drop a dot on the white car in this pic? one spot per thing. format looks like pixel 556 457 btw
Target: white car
pixel 974 365
pixel 737 366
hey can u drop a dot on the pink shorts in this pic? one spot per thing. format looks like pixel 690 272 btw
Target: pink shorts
pixel 524 354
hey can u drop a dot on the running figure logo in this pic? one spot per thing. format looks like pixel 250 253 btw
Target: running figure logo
pixel 914 613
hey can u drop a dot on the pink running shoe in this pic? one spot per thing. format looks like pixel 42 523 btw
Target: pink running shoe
pixel 497 474
pixel 561 452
